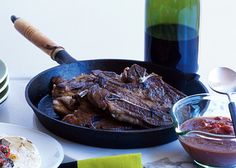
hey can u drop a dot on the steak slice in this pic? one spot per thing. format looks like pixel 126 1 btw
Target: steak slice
pixel 127 107
pixel 62 87
pixel 89 116
pixel 66 92
pixel 152 87
pixel 135 96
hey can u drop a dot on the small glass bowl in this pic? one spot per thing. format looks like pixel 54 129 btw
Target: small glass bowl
pixel 207 149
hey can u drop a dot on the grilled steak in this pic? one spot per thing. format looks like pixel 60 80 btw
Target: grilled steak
pixel 71 87
pixel 134 96
pixel 65 93
pixel 89 116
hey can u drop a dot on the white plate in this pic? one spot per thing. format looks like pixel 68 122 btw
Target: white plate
pixel 3 71
pixel 50 150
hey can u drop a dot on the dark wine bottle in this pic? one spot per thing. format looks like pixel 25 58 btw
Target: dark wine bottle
pixel 172 33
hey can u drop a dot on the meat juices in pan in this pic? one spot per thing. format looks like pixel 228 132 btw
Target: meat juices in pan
pixel 133 99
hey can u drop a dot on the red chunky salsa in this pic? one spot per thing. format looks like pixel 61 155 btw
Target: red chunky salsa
pixel 5 154
pixel 216 125
pixel 207 150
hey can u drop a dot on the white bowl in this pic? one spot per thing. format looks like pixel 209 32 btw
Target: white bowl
pixel 3 71
pixel 4 84
pixel 4 95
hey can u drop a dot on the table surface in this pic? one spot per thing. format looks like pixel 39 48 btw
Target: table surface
pixel 101 29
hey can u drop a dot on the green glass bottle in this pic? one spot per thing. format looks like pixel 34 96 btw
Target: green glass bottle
pixel 172 33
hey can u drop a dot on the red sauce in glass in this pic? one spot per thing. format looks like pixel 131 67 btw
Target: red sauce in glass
pixel 206 150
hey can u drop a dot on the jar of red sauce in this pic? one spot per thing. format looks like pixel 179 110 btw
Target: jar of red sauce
pixel 205 130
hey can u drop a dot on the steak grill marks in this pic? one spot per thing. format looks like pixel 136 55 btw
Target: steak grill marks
pixel 133 97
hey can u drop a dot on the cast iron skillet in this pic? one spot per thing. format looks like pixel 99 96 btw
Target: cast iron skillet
pixel 37 94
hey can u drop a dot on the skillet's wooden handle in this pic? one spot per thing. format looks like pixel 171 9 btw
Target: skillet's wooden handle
pixel 36 37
